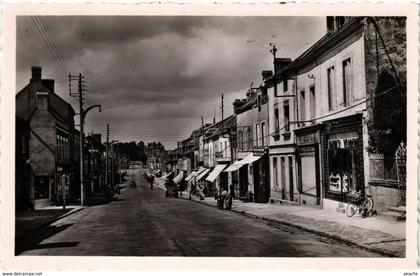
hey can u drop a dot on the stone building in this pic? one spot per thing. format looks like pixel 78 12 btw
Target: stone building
pixel 342 87
pixel 50 120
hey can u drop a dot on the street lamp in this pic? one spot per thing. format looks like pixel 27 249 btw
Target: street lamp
pixel 83 114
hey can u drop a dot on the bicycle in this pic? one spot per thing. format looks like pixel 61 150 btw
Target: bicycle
pixel 360 204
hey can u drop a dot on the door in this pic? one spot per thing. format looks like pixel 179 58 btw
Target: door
pixel 283 177
pixel 243 181
pixel 291 182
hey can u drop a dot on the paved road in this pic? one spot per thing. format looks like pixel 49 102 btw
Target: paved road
pixel 142 222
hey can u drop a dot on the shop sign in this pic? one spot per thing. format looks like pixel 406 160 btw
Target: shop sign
pixel 307 139
pixel 258 151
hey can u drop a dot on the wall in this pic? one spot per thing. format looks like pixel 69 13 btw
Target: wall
pixel 272 101
pixel 352 48
pixel 42 144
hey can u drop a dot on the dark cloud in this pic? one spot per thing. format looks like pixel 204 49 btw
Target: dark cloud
pixel 154 72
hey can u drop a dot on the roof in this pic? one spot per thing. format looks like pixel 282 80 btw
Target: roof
pixel 26 103
pixel 216 129
pixel 323 45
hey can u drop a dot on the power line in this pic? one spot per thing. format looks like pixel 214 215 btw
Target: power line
pixel 145 134
pixel 43 37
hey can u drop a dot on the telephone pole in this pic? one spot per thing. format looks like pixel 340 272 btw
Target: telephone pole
pixel 80 96
pixel 222 107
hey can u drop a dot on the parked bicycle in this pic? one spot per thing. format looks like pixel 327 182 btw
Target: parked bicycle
pixel 362 204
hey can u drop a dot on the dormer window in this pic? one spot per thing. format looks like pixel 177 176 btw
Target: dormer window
pixel 285 86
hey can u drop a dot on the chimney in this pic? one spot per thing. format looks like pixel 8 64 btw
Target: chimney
pixel 49 84
pixel 281 63
pixel 266 73
pixel 36 73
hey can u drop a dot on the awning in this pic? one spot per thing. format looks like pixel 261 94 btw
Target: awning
pixel 202 174
pixel 194 174
pixel 217 170
pixel 238 164
pixel 250 158
pixel 190 176
pixel 235 166
pixel 179 177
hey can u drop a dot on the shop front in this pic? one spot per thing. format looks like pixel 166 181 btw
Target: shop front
pixel 343 160
pixel 308 163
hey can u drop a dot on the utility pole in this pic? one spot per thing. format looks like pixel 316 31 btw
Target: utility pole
pixel 80 96
pixel 82 185
pixel 222 111
pixel 106 160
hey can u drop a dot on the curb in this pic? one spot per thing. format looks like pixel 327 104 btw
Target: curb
pixel 75 210
pixel 307 229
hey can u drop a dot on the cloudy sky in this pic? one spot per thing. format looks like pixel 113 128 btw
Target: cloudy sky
pixel 156 76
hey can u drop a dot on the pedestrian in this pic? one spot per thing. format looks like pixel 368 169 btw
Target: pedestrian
pixel 232 194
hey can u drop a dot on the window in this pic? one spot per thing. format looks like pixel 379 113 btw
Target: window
pixel 257 129
pixel 276 180
pixel 302 106
pixel 331 87
pixel 262 133
pixel 259 103
pixel 285 86
pixel 249 139
pixel 312 103
pixel 286 116
pixel 347 82
pixel 342 163
pixel 276 121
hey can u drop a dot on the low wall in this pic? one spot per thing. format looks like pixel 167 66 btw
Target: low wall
pixel 384 194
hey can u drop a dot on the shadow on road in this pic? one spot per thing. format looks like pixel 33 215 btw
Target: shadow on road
pixel 55 245
pixel 32 242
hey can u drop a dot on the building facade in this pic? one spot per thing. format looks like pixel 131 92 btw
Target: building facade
pixel 51 143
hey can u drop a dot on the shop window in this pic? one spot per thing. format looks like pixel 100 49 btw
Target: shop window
pixel 342 163
pixel 331 87
pixel 347 82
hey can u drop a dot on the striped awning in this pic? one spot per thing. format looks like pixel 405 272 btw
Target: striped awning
pixel 179 177
pixel 194 174
pixel 217 170
pixel 238 164
pixel 202 174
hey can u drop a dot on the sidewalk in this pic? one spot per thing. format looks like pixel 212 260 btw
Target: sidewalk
pixel 28 222
pixel 372 234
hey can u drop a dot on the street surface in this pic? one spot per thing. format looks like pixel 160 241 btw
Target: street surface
pixel 142 222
